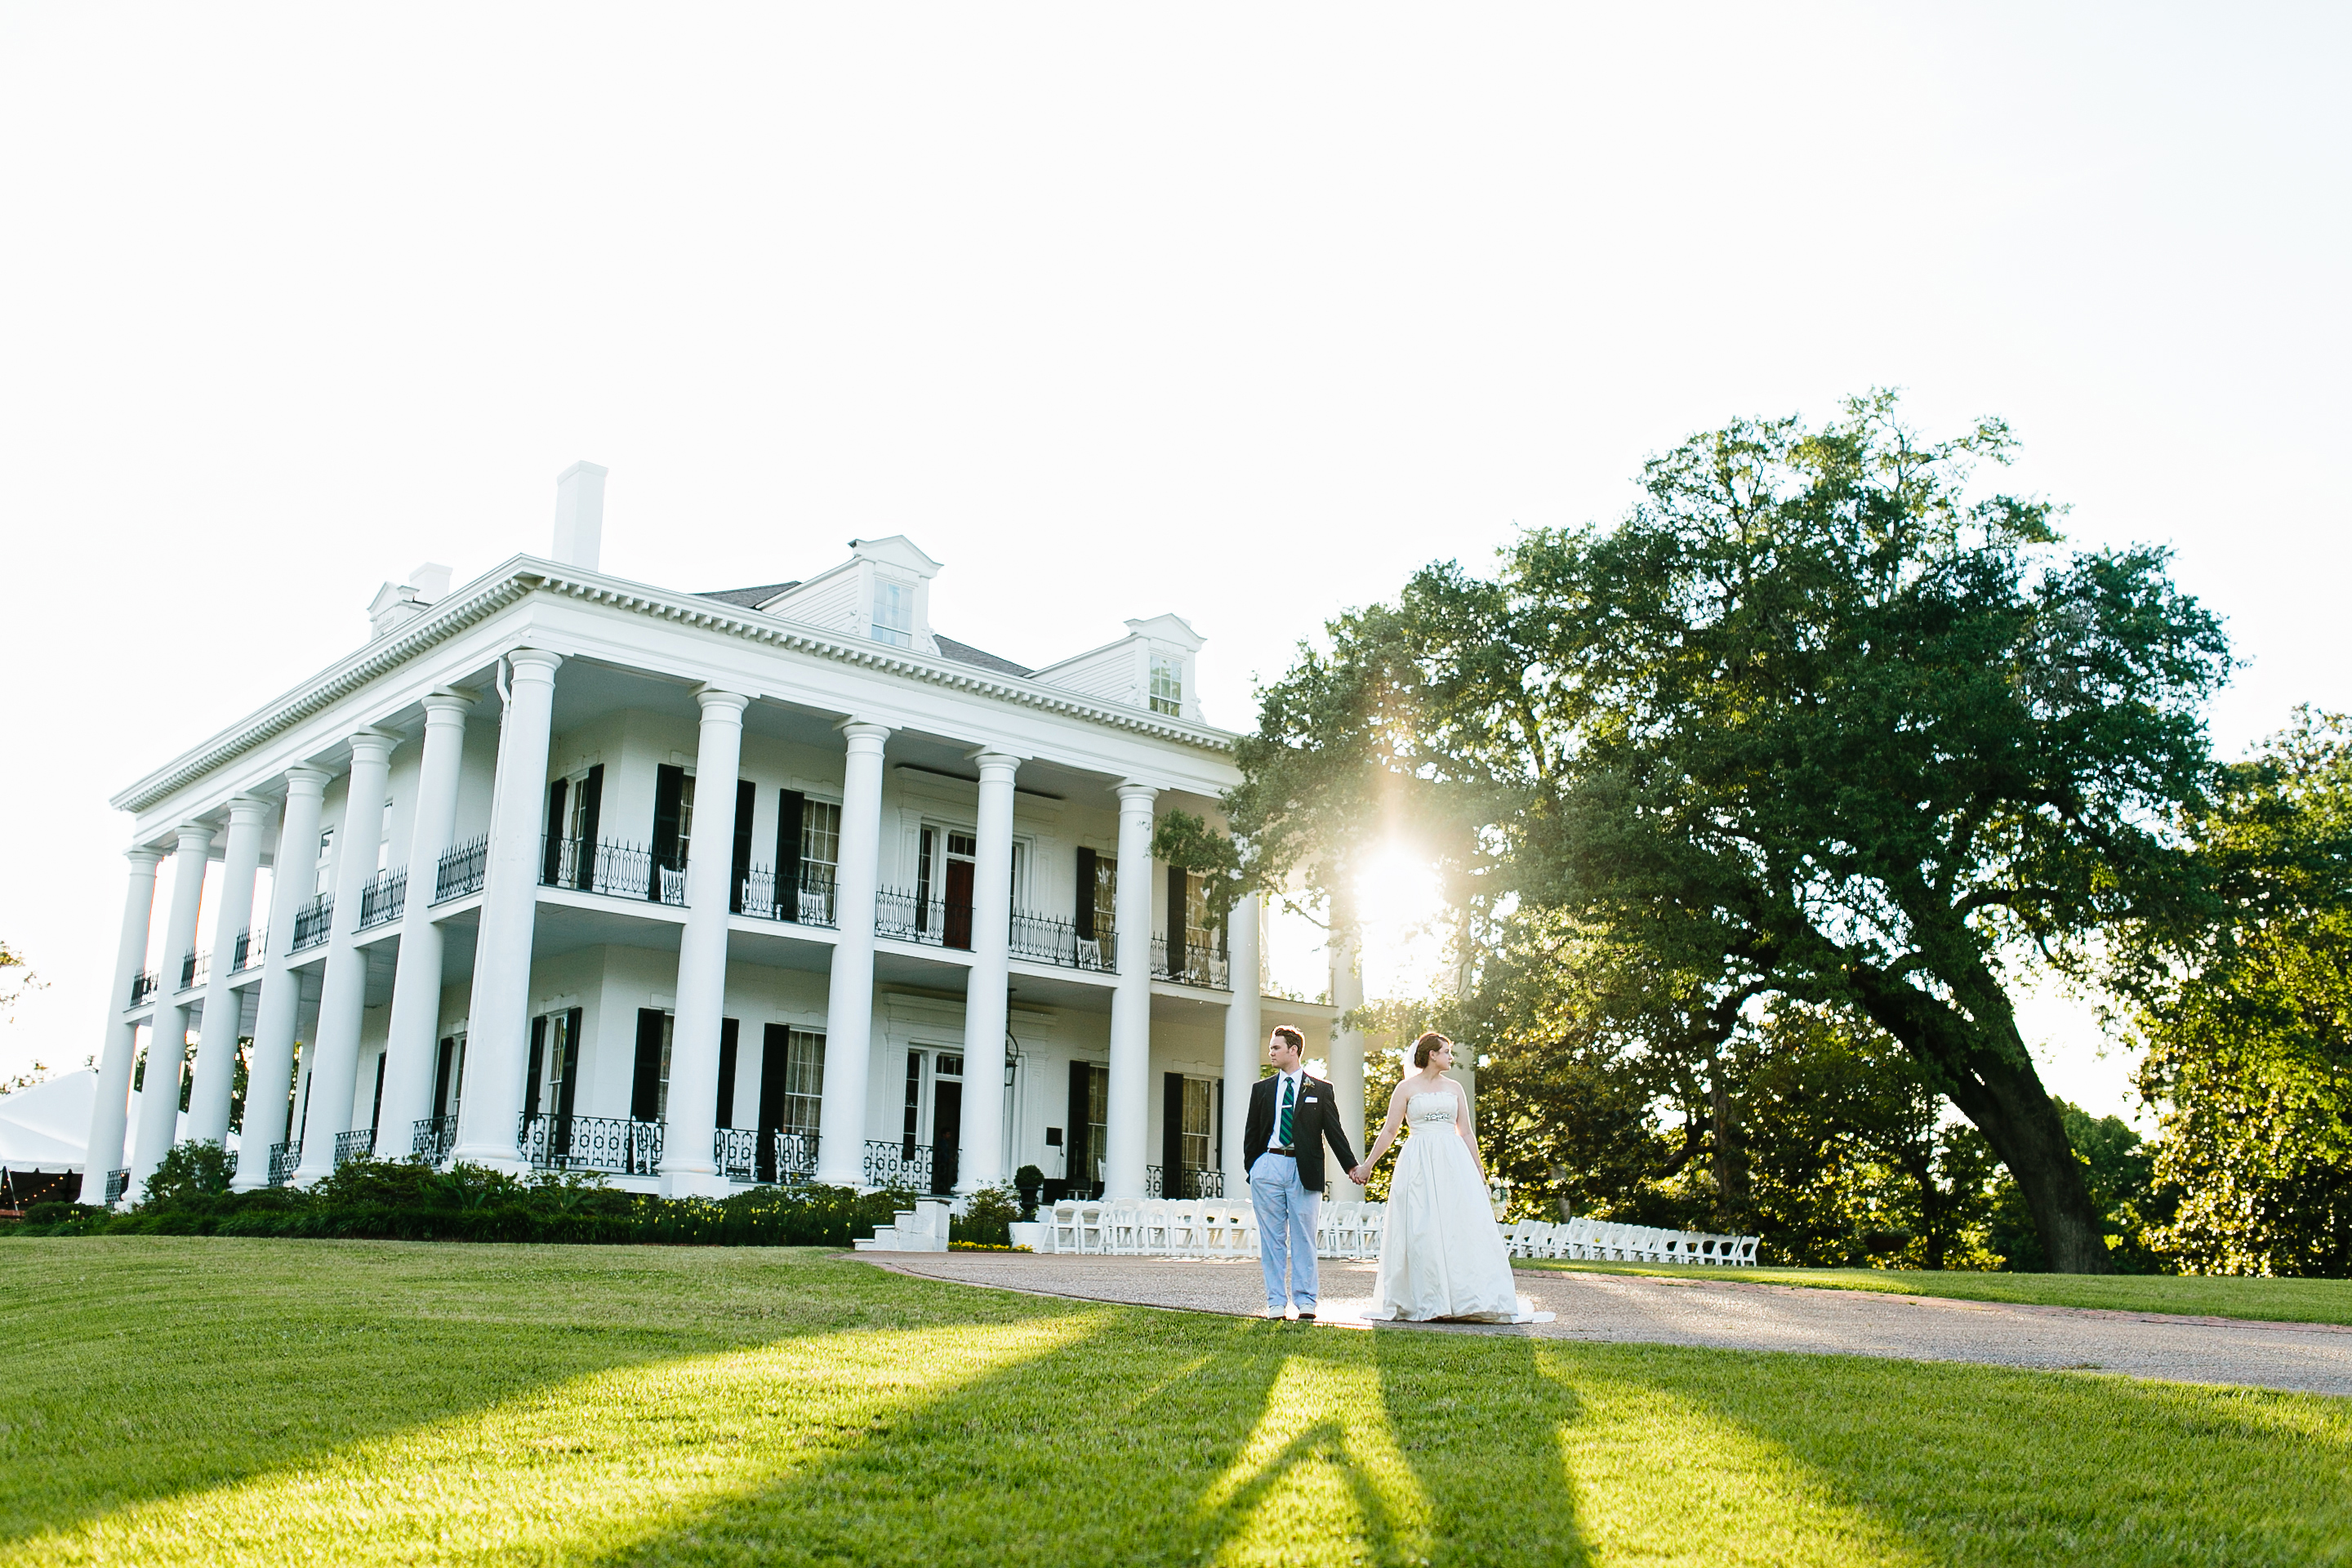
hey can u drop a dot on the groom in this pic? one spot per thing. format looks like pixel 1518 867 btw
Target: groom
pixel 1290 1116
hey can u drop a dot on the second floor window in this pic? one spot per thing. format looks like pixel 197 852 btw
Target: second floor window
pixel 1167 684
pixel 894 614
pixel 821 836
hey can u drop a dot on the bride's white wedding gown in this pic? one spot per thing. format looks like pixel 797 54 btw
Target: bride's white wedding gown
pixel 1441 1255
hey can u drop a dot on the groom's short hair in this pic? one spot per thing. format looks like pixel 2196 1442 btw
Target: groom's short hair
pixel 1291 1037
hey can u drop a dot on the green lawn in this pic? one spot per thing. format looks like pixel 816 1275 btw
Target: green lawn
pixel 2205 1295
pixel 188 1400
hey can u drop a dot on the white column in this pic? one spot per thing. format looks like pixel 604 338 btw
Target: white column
pixel 342 994
pixel 498 1039
pixel 849 1000
pixel 270 1077
pixel 120 1042
pixel 982 1164
pixel 215 1075
pixel 1346 1055
pixel 1245 1044
pixel 1130 1000
pixel 167 1043
pixel 415 1021
pixel 688 1168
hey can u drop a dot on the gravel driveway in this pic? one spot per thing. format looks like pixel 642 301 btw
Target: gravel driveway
pixel 1729 1314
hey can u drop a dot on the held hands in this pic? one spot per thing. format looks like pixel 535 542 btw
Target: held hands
pixel 1360 1174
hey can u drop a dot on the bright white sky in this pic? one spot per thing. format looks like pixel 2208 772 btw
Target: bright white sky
pixel 1239 312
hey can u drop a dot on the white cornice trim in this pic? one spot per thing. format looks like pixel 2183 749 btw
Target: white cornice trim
pixel 525 575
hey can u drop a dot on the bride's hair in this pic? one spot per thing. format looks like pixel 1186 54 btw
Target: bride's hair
pixel 1426 1046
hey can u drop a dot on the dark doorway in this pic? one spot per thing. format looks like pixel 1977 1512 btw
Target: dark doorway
pixel 957 922
pixel 773 1040
pixel 947 1131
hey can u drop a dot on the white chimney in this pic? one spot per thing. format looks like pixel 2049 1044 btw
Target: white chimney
pixel 580 515
pixel 431 582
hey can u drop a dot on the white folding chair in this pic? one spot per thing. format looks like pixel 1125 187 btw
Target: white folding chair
pixel 1064 1233
pixel 1151 1226
pixel 1184 1229
pixel 1093 1228
pixel 1375 1228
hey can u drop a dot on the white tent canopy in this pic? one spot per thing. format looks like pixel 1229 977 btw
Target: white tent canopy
pixel 47 1127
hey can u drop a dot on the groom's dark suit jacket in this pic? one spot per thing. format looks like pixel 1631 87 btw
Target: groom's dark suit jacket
pixel 1313 1120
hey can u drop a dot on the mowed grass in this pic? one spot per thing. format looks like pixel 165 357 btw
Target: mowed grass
pixel 2213 1296
pixel 189 1400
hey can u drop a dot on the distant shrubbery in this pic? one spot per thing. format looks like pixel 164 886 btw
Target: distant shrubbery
pixel 403 1201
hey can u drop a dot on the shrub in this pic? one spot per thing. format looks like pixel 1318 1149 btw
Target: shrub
pixel 987 1218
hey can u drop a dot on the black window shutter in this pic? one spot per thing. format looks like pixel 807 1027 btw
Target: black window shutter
pixel 1084 916
pixel 746 795
pixel 773 1041
pixel 730 1031
pixel 1080 1162
pixel 531 1073
pixel 1171 1138
pixel 1217 1126
pixel 571 1063
pixel 441 1076
pixel 553 840
pixel 790 805
pixel 592 815
pixel 375 1112
pixel 669 799
pixel 645 1087
pixel 1177 878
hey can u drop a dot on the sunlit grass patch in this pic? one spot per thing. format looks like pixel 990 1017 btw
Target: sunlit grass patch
pixel 2204 1295
pixel 188 1401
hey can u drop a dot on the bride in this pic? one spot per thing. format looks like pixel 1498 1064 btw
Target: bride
pixel 1441 1255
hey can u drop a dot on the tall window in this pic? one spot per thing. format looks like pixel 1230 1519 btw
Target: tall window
pixel 804 1080
pixel 326 878
pixel 661 1090
pixel 1197 937
pixel 821 835
pixel 894 614
pixel 575 811
pixel 685 817
pixel 1199 1124
pixel 383 845
pixel 1106 902
pixel 1098 1119
pixel 1167 684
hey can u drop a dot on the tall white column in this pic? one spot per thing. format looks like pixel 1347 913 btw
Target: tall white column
pixel 1245 1042
pixel 1347 1056
pixel 270 1077
pixel 215 1075
pixel 120 1040
pixel 415 1021
pixel 687 1167
pixel 498 1039
pixel 1130 1000
pixel 167 1043
pixel 982 1161
pixel 342 994
pixel 849 1000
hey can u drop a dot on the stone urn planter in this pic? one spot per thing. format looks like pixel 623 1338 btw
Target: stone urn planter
pixel 1031 1234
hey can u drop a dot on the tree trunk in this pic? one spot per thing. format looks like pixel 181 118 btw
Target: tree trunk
pixel 1731 1155
pixel 1987 1074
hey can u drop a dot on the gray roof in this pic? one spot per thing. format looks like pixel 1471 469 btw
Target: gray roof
pixel 950 649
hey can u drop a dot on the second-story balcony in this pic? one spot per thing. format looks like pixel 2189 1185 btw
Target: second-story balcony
pixel 615 871
pixel 312 923
pixel 1046 939
pixel 383 898
pixel 144 984
pixel 195 969
pixel 252 947
pixel 1189 963
pixel 461 870
pixel 910 916
pixel 805 897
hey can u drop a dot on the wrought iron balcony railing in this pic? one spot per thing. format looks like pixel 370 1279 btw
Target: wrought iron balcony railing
pixel 144 985
pixel 905 1166
pixel 931 921
pixel 1192 1182
pixel 743 1155
pixel 357 1144
pixel 618 870
pixel 433 1138
pixel 1189 964
pixel 252 947
pixel 386 895
pixel 1051 941
pixel 804 899
pixel 285 1158
pixel 195 969
pixel 615 1143
pixel 117 1184
pixel 312 923
pixel 461 870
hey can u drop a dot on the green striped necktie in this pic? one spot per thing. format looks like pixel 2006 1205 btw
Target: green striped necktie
pixel 1282 1133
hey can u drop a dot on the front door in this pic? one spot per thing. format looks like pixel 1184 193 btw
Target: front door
pixel 947 1122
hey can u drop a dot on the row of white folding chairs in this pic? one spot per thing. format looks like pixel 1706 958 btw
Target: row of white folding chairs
pixel 1607 1240
pixel 1164 1227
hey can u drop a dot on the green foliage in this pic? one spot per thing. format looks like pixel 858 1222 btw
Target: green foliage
pixel 987 1217
pixel 2248 1024
pixel 1188 841
pixel 1814 723
pixel 403 1200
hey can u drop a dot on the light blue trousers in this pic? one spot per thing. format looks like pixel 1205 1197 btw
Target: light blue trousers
pixel 1285 1231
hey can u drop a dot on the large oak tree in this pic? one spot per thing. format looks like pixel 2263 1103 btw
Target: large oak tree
pixel 1814 720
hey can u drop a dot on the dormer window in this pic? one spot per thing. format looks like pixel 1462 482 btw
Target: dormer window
pixel 1167 684
pixel 894 614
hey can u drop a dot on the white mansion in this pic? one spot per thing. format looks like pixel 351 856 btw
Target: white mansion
pixel 698 891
